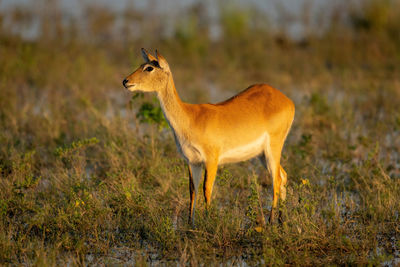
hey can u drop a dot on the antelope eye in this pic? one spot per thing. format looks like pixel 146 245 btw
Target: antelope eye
pixel 148 69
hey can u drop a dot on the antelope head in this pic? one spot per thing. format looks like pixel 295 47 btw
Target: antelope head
pixel 151 76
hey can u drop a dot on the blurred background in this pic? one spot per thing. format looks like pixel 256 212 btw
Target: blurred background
pixel 296 18
pixel 80 155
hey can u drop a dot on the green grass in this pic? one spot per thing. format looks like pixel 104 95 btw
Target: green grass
pixel 85 180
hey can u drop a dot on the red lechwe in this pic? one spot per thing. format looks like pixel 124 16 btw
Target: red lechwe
pixel 253 123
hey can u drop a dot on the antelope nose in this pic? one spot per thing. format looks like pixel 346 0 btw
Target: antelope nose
pixel 124 82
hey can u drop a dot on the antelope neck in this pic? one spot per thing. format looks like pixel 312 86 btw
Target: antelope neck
pixel 173 107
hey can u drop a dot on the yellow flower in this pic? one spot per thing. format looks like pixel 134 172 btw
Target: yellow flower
pixel 79 202
pixel 305 181
pixel 258 229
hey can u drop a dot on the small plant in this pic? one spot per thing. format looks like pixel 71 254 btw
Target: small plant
pixel 165 233
pixel 319 104
pixel 151 113
pixel 254 208
pixel 75 146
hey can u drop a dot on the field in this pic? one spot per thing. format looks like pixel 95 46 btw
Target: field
pixel 89 173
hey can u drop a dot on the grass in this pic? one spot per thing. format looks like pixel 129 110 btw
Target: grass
pixel 85 180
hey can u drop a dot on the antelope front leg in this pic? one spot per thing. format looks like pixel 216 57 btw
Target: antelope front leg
pixel 209 178
pixel 194 181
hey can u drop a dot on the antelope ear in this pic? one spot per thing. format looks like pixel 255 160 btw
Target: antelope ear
pixel 162 61
pixel 147 56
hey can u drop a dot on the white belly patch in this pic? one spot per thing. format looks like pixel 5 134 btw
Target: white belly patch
pixel 244 152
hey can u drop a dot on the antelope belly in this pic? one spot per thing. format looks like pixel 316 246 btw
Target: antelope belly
pixel 244 152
